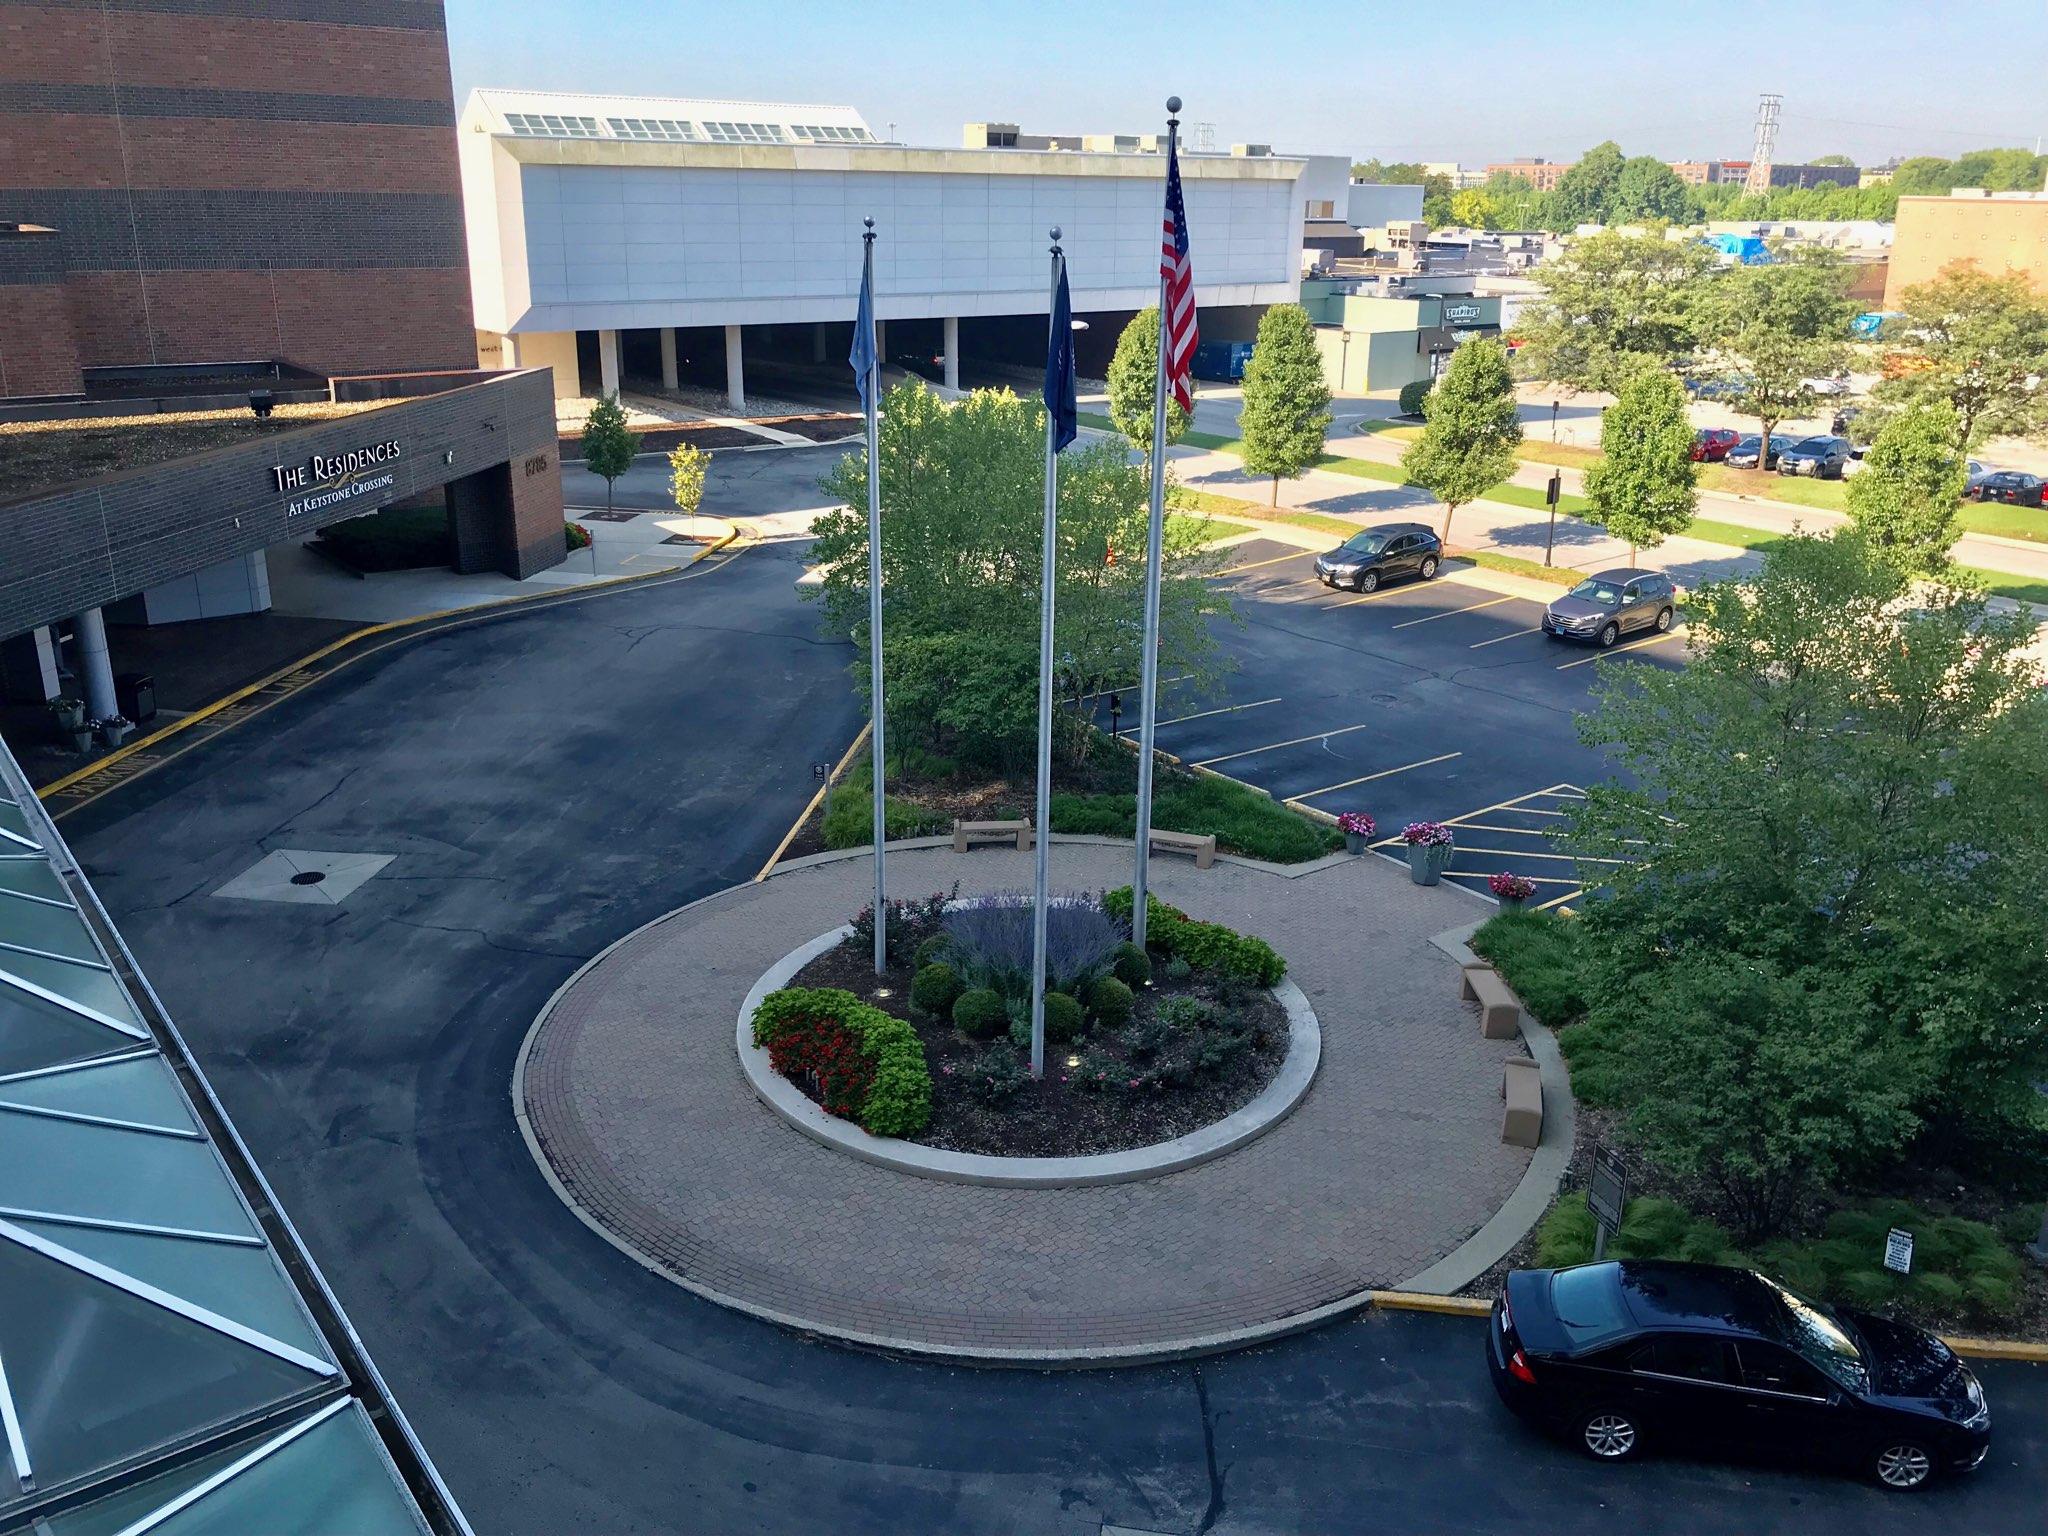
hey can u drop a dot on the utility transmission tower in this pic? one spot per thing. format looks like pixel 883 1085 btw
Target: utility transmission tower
pixel 1758 181
pixel 1202 138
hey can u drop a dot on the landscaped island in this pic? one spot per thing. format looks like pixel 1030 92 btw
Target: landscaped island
pixel 1140 1047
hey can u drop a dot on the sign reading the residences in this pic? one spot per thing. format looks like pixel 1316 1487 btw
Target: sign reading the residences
pixel 329 479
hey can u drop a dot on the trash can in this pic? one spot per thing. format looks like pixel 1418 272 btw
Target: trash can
pixel 135 693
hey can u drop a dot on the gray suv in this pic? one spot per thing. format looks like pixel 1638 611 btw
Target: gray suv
pixel 1605 607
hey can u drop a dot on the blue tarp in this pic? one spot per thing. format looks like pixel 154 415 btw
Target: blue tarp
pixel 1747 249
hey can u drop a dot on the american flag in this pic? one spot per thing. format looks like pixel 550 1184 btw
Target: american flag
pixel 1177 277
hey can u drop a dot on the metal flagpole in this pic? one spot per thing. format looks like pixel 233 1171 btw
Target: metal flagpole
pixel 1048 553
pixel 875 709
pixel 1148 671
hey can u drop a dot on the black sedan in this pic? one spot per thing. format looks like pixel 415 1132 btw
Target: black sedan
pixel 2013 486
pixel 1824 458
pixel 1367 559
pixel 1695 1356
pixel 1744 454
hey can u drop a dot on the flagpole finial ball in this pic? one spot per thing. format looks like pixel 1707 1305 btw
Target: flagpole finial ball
pixel 1055 231
pixel 867 223
pixel 1173 104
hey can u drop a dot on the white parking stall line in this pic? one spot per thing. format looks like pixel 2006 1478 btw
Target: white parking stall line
pixel 1275 746
pixel 1384 773
pixel 1633 645
pixel 1228 709
pixel 1534 629
pixel 1452 613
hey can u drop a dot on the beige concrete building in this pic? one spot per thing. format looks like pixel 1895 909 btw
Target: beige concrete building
pixel 2000 232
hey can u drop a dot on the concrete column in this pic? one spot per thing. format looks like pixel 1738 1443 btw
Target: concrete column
pixel 608 361
pixel 510 356
pixel 670 379
pixel 28 667
pixel 735 372
pixel 952 346
pixel 94 666
pixel 818 342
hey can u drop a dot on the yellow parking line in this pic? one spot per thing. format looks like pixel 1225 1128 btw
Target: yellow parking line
pixel 1511 635
pixel 1485 826
pixel 1633 645
pixel 1228 709
pixel 1452 613
pixel 1275 746
pixel 1558 901
pixel 1569 858
pixel 1487 874
pixel 1384 773
pixel 1255 565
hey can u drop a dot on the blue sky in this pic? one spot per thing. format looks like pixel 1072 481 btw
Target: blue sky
pixel 1488 80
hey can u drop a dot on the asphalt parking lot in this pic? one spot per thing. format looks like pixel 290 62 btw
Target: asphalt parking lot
pixel 1424 701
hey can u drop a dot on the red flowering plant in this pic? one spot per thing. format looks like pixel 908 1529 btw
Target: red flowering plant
pixel 825 1053
pixel 1511 887
pixel 1429 834
pixel 1357 824
pixel 866 1065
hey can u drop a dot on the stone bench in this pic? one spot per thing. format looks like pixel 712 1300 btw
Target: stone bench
pixel 1202 846
pixel 1499 1012
pixel 1521 1089
pixel 966 833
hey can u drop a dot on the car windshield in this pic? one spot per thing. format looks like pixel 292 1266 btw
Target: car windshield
pixel 1594 590
pixel 1365 543
pixel 1588 1302
pixel 1813 445
pixel 1823 1340
pixel 1748 445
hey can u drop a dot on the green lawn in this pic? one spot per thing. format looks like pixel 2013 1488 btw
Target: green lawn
pixel 1570 455
pixel 1514 565
pixel 2007 522
pixel 1231 506
pixel 1210 528
pixel 1830 495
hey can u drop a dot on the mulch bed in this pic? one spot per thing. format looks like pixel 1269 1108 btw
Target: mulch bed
pixel 1054 1118
pixel 819 429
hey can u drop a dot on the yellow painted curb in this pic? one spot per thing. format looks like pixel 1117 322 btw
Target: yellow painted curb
pixel 207 711
pixel 1415 1301
pixel 2000 1349
pixel 824 789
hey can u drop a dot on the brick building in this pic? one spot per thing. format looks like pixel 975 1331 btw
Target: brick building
pixel 1543 175
pixel 213 181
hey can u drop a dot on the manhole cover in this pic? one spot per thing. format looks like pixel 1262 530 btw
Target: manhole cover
pixel 309 877
pixel 1386 698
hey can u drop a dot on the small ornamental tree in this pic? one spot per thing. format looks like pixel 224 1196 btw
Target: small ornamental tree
pixel 687 464
pixel 1643 487
pixel 1284 415
pixel 1468 446
pixel 1132 379
pixel 608 443
pixel 1913 476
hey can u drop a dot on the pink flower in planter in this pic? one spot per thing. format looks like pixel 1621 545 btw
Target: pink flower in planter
pixel 1511 887
pixel 1429 834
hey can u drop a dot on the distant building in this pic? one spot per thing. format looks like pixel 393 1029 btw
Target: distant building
pixel 1461 178
pixel 1999 231
pixel 1543 175
pixel 1706 173
pixel 1372 205
pixel 1376 336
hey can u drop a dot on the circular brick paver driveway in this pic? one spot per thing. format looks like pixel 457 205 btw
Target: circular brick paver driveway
pixel 635 1102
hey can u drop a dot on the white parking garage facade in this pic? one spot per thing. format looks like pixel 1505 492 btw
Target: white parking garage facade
pixel 593 217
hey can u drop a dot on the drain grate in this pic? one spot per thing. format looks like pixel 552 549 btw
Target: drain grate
pixel 309 877
pixel 606 517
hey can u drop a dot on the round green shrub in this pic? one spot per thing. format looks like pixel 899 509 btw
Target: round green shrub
pixel 1133 967
pixel 1412 396
pixel 1178 969
pixel 979 1012
pixel 1063 1017
pixel 1109 1002
pixel 934 989
pixel 1869 1289
pixel 1990 1296
pixel 931 951
pixel 1942 1292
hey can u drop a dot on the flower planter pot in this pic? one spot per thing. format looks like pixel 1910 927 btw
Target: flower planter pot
pixel 1354 842
pixel 1427 861
pixel 69 719
pixel 81 740
pixel 113 735
pixel 1513 903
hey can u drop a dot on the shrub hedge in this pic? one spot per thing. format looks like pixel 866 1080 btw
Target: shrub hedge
pixel 979 1012
pixel 1243 820
pixel 871 1065
pixel 1110 1001
pixel 1210 946
pixel 1133 967
pixel 934 989
pixel 1543 957
pixel 1412 396
pixel 1063 1017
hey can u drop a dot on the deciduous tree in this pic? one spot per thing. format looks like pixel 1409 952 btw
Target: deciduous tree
pixel 1613 306
pixel 1284 415
pixel 608 443
pixel 687 464
pixel 1904 501
pixel 1132 374
pixel 1468 444
pixel 1769 331
pixel 1643 487
pixel 1979 342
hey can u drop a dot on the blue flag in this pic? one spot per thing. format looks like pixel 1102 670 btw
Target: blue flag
pixel 1059 366
pixel 862 357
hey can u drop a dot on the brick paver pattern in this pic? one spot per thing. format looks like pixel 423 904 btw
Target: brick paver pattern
pixel 1394 1157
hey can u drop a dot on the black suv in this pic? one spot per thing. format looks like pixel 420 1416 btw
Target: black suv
pixel 1380 554
pixel 1696 1356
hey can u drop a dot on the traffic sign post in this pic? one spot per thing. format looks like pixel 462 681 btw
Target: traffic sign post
pixel 1606 1196
pixel 1550 495
pixel 1898 1251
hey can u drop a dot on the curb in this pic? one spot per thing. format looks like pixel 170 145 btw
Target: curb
pixel 1273 1104
pixel 291 677
pixel 811 809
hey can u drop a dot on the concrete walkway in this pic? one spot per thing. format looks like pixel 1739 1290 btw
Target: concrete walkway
pixel 645 1120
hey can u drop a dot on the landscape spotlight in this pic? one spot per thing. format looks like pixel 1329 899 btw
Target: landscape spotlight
pixel 262 402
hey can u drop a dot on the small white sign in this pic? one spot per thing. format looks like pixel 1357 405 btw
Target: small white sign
pixel 1898 1250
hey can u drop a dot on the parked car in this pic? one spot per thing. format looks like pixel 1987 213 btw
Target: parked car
pixel 1605 607
pixel 1693 1357
pixel 1824 458
pixel 1367 559
pixel 1831 384
pixel 1744 454
pixel 1710 445
pixel 1716 388
pixel 1977 469
pixel 2014 486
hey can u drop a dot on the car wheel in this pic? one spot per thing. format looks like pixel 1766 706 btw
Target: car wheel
pixel 1903 1466
pixel 1608 1434
pixel 1610 634
pixel 1428 566
pixel 1664 618
pixel 1369 582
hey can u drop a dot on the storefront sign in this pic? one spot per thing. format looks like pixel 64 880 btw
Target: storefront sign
pixel 329 479
pixel 1461 314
